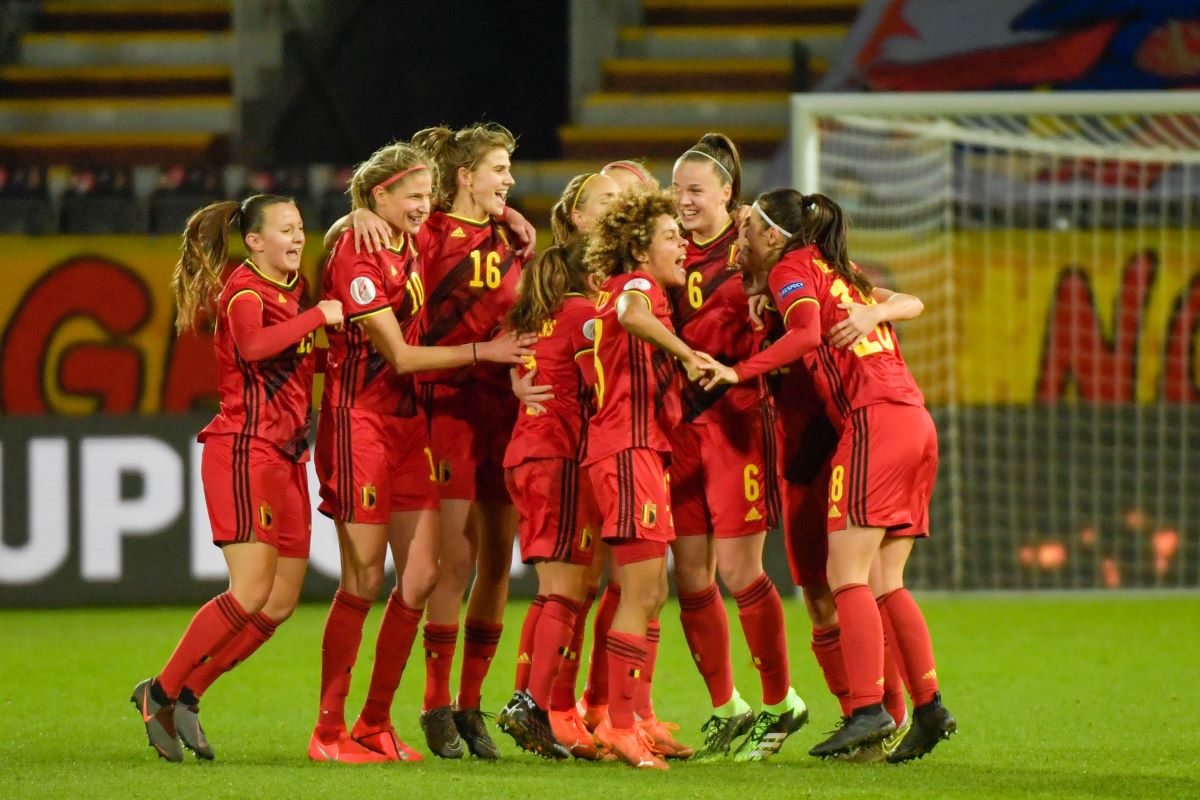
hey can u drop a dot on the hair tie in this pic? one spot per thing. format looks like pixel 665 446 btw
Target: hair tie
pixel 770 221
pixel 579 194
pixel 722 167
pixel 399 175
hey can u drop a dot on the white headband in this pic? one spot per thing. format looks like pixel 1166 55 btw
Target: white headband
pixel 710 158
pixel 769 221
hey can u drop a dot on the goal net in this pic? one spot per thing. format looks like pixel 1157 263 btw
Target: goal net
pixel 1051 239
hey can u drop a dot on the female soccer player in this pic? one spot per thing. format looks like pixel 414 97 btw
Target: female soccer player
pixel 638 245
pixel 724 489
pixel 558 520
pixel 376 467
pixel 471 272
pixel 252 465
pixel 883 469
pixel 628 173
pixel 557 285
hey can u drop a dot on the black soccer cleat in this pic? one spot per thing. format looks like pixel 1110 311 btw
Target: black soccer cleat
pixel 159 718
pixel 441 734
pixel 529 726
pixel 473 730
pixel 719 733
pixel 866 726
pixel 191 732
pixel 932 723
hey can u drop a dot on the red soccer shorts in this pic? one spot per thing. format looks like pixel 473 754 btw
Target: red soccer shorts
pixel 469 429
pixel 253 491
pixel 632 490
pixel 371 465
pixel 883 471
pixel 719 476
pixel 557 517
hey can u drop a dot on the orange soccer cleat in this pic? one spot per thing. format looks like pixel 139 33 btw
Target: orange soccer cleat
pixel 383 740
pixel 631 745
pixel 343 750
pixel 572 733
pixel 592 715
pixel 662 738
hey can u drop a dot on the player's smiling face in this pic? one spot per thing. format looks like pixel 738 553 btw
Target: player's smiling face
pixel 405 204
pixel 701 197
pixel 664 257
pixel 599 193
pixel 489 182
pixel 277 247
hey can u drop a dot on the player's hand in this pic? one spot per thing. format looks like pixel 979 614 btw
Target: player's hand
pixel 758 307
pixel 371 233
pixel 696 365
pixel 332 309
pixel 531 394
pixel 855 327
pixel 717 373
pixel 524 230
pixel 507 348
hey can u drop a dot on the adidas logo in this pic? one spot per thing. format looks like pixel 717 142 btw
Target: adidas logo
pixel 833 512
pixel 282 299
pixel 458 233
pixel 753 516
pixel 524 658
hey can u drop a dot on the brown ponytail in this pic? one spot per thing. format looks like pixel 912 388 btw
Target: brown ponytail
pixel 719 152
pixel 451 150
pixel 814 219
pixel 196 279
pixel 544 285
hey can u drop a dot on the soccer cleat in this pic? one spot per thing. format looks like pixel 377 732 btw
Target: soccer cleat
pixel 771 730
pixel 191 732
pixel 891 742
pixel 572 733
pixel 529 726
pixel 343 750
pixel 867 725
pixel 719 733
pixel 662 740
pixel 591 715
pixel 383 740
pixel 441 734
pixel 159 719
pixel 931 723
pixel 631 745
pixel 473 730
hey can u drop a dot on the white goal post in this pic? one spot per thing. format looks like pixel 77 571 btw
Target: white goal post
pixel 1050 235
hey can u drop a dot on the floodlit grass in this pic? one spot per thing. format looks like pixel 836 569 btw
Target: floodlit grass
pixel 1056 696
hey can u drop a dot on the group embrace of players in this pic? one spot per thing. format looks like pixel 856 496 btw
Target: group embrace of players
pixel 675 372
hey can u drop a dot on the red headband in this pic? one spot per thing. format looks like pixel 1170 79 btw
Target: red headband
pixel 399 175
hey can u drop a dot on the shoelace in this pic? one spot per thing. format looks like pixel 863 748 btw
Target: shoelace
pixel 763 721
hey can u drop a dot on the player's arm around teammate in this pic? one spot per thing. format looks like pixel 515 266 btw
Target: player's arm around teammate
pixel 637 244
pixel 252 466
pixel 377 473
pixel 883 469
pixel 724 487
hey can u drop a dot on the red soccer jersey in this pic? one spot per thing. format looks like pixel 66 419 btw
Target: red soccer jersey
pixel 791 387
pixel 711 314
pixel 387 282
pixel 270 399
pixel 471 272
pixel 564 359
pixel 873 371
pixel 637 388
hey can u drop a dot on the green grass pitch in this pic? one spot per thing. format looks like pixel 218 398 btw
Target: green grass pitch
pixel 1057 696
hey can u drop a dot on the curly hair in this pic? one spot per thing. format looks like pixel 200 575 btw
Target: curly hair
pixel 626 227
